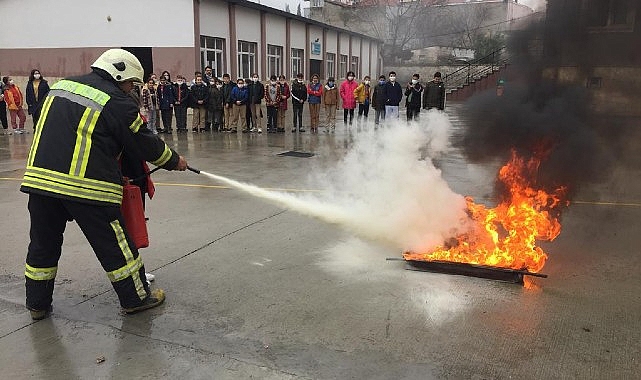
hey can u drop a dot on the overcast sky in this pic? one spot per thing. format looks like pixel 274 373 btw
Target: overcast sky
pixel 280 4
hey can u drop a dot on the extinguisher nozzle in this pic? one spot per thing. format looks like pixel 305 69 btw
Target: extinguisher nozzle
pixel 193 170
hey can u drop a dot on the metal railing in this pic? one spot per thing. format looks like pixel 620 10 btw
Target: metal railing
pixel 476 69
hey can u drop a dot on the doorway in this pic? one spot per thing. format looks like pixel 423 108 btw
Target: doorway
pixel 316 67
pixel 145 57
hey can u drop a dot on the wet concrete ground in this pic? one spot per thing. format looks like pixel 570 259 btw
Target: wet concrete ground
pixel 256 291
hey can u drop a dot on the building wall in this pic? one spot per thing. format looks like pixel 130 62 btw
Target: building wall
pixel 77 33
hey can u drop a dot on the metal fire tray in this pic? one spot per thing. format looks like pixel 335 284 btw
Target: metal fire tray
pixel 493 273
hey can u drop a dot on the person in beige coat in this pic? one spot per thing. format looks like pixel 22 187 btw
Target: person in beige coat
pixel 330 100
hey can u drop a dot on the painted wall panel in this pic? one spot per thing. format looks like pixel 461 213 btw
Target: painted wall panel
pixel 81 23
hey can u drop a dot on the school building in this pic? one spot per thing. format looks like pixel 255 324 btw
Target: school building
pixel 64 37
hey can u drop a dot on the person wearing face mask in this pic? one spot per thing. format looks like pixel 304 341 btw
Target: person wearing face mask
pixel 299 96
pixel 156 123
pixel 36 90
pixel 285 93
pixel 346 92
pixel 215 105
pixel 15 101
pixel 363 96
pixel 314 94
pixel 199 94
pixel 166 100
pixel 239 99
pixel 434 96
pixel 256 95
pixel 378 100
pixel 413 94
pixel 330 101
pixel 393 97
pixel 228 86
pixel 181 102
pixel 150 104
pixel 272 97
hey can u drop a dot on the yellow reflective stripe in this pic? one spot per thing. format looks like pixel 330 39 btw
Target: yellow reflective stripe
pixel 121 237
pixel 64 184
pixel 164 157
pixel 126 271
pixel 88 183
pixel 82 148
pixel 101 98
pixel 135 126
pixel 36 138
pixel 40 274
pixel 80 139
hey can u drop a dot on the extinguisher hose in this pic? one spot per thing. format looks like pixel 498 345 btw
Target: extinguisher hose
pixel 157 168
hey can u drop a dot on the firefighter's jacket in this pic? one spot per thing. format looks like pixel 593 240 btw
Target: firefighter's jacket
pixel 85 124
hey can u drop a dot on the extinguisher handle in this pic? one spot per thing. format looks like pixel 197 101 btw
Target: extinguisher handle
pixel 132 180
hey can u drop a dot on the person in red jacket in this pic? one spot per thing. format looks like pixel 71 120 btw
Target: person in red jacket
pixel 15 101
pixel 346 92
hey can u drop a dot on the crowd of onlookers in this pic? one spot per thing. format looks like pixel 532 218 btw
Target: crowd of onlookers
pixel 12 99
pixel 222 105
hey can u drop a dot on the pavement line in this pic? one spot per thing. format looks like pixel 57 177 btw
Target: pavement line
pixel 193 251
pixel 596 203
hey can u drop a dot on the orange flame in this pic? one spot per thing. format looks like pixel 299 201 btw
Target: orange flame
pixel 505 236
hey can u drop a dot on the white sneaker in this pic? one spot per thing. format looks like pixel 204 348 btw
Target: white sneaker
pixel 150 277
pixel 17 131
pixel 260 130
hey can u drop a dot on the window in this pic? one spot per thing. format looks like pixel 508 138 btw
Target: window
pixel 246 59
pixel 342 67
pixel 330 58
pixel 354 66
pixel 212 51
pixel 297 61
pixel 610 14
pixel 274 60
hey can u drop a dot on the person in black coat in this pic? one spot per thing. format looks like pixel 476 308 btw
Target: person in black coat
pixel 393 96
pixel 413 94
pixel 434 96
pixel 37 89
pixel 378 100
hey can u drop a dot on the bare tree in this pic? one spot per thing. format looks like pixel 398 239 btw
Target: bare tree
pixel 398 24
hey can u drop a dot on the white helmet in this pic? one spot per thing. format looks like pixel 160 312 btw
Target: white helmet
pixel 121 65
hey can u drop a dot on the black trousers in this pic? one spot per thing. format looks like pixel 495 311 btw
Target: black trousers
pixel 363 110
pixel 166 118
pixel 272 117
pixel 351 115
pixel 3 114
pixel 103 228
pixel 181 116
pixel 297 108
pixel 413 112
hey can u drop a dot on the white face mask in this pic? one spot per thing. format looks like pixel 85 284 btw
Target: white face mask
pixel 255 79
pixel 392 79
pixel 11 81
pixel 300 81
pixel 180 82
pixel 414 81
pixel 36 76
pixel 241 85
pixel 350 78
pixel 273 82
pixel 219 86
pixel 366 82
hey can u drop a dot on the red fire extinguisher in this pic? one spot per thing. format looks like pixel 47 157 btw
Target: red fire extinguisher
pixel 134 214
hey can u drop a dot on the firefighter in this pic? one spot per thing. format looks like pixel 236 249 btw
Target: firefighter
pixel 72 173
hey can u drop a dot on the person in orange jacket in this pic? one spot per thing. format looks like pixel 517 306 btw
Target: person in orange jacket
pixel 14 99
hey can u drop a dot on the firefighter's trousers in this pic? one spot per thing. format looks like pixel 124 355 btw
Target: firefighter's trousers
pixel 103 228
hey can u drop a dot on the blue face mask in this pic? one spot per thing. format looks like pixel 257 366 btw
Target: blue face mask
pixel 330 84
pixel 381 82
